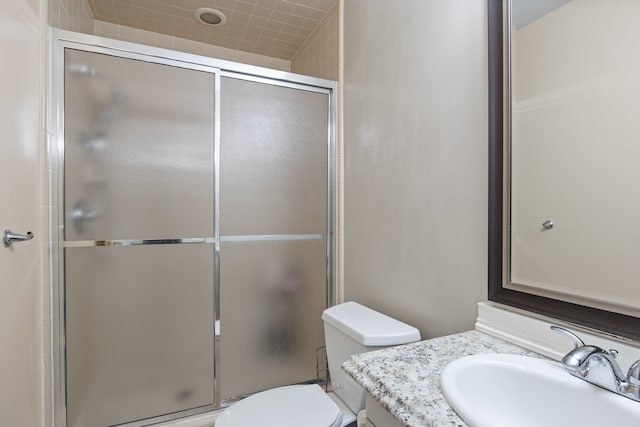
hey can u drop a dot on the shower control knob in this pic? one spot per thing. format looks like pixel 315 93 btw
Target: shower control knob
pixel 80 215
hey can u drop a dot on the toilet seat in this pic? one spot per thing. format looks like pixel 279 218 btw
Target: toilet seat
pixel 290 406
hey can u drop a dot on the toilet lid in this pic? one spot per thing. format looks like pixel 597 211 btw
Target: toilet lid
pixel 291 406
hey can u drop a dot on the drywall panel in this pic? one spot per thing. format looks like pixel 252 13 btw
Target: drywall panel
pixel 21 286
pixel 415 146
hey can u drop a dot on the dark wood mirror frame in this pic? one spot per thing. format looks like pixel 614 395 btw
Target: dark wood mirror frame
pixel 619 324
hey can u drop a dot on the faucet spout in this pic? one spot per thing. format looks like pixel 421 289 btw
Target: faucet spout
pixel 610 359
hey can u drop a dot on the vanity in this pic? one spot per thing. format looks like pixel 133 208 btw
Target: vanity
pixel 403 383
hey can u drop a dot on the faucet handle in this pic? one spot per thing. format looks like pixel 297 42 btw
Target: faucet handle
pixel 631 386
pixel 577 342
pixel 633 376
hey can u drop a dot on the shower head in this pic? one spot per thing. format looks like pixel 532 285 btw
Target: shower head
pixel 82 70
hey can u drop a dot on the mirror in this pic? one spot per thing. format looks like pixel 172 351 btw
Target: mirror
pixel 565 144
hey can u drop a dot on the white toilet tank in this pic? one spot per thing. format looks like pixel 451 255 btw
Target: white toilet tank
pixel 351 328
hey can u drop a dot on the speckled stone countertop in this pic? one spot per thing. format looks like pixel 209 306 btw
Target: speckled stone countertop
pixel 405 380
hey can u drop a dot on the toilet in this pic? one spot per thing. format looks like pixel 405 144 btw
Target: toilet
pixel 349 328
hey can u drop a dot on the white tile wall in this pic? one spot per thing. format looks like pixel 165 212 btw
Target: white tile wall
pixel 130 34
pixel 319 54
pixel 267 27
pixel 76 15
pixel 72 15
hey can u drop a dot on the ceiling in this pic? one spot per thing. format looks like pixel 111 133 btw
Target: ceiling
pixel 274 28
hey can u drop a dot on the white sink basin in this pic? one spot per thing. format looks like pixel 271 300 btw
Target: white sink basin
pixel 504 390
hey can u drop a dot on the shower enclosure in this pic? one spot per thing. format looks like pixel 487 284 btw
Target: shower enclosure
pixel 195 230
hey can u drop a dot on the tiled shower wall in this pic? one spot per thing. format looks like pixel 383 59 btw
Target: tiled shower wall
pixel 72 15
pixel 150 38
pixel 76 15
pixel 319 55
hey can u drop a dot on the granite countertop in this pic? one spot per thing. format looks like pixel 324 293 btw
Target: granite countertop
pixel 405 380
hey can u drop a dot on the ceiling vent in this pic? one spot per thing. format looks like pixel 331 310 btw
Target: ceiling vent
pixel 210 17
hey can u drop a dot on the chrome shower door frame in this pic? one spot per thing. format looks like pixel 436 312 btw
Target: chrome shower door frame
pixel 59 40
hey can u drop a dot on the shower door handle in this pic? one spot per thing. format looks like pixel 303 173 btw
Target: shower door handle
pixel 9 238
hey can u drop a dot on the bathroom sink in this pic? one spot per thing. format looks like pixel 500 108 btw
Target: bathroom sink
pixel 504 390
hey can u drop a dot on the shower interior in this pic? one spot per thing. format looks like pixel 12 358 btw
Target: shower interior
pixel 195 231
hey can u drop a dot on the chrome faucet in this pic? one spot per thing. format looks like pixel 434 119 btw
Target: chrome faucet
pixel 600 367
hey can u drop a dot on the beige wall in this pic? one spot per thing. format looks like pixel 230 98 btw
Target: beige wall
pixel 575 153
pixel 22 402
pixel 415 138
pixel 318 56
pixel 121 32
pixel 72 15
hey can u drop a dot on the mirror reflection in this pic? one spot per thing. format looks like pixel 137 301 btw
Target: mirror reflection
pixel 574 173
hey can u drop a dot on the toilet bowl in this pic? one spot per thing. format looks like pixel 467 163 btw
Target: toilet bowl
pixel 350 328
pixel 296 405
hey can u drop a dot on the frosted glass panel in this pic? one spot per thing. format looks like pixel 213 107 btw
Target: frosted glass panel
pixel 272 296
pixel 273 159
pixel 139 332
pixel 138 149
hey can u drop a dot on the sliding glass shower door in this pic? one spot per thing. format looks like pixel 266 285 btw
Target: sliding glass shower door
pixel 138 238
pixel 273 225
pixel 196 235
